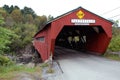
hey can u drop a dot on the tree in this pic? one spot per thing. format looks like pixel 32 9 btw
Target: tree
pixel 28 33
pixel 10 9
pixel 115 28
pixel 1 20
pixel 16 7
pixel 43 20
pixel 16 15
pixel 6 7
pixel 50 18
pixel 25 33
pixel 116 23
pixel 115 42
pixel 37 21
pixel 18 27
pixel 9 22
pixel 6 37
pixel 28 19
pixel 3 12
pixel 27 10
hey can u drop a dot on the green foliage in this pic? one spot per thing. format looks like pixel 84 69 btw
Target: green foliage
pixel 6 37
pixel 9 22
pixel 25 33
pixel 11 72
pixel 43 65
pixel 50 18
pixel 10 9
pixel 3 12
pixel 17 27
pixel 28 32
pixel 115 31
pixel 112 56
pixel 1 20
pixel 13 68
pixel 28 19
pixel 37 21
pixel 50 70
pixel 16 15
pixel 28 10
pixel 116 23
pixel 5 61
pixel 115 44
pixel 43 21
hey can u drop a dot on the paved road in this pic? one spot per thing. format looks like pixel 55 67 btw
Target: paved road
pixel 81 66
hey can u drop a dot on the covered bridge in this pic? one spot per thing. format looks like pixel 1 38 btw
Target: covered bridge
pixel 77 29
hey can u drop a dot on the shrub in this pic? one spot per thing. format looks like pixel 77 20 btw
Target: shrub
pixel 6 38
pixel 115 44
pixel 5 61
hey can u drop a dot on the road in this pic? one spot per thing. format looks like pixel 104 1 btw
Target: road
pixel 82 66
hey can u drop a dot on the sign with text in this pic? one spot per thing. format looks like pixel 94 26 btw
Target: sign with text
pixel 82 21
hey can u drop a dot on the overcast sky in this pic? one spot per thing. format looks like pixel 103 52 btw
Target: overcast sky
pixel 58 7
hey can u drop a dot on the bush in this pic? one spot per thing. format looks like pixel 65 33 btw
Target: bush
pixel 5 61
pixel 115 44
pixel 6 38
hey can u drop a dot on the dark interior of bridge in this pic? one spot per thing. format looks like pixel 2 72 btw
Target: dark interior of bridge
pixel 77 37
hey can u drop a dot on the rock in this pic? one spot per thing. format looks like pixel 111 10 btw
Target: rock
pixel 24 76
pixel 24 59
pixel 19 64
pixel 30 65
pixel 27 76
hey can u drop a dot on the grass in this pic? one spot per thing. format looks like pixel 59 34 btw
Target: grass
pixel 9 72
pixel 50 70
pixel 44 65
pixel 112 56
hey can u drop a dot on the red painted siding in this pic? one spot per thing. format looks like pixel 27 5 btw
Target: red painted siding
pixel 96 43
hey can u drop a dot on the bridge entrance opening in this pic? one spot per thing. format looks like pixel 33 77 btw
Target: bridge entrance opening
pixel 78 37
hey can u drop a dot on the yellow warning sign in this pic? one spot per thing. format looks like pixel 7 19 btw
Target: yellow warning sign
pixel 80 14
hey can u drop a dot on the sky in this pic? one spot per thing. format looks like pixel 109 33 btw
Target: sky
pixel 105 8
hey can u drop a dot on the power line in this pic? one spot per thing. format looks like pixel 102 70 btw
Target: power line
pixel 115 16
pixel 110 11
